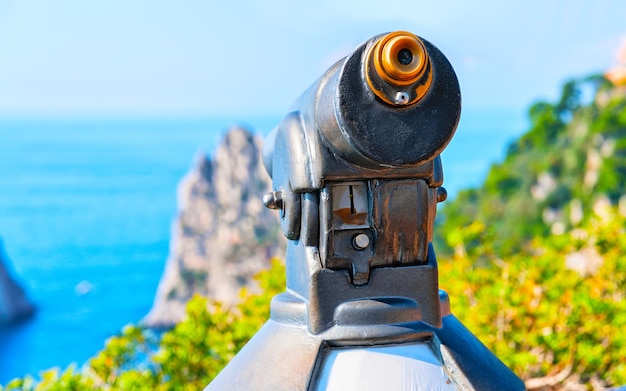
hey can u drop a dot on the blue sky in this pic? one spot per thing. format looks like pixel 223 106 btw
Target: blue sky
pixel 205 58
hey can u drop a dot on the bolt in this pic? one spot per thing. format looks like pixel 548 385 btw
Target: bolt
pixel 273 200
pixel 442 194
pixel 360 241
pixel 402 98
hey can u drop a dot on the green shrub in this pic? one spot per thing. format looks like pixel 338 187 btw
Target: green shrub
pixel 541 317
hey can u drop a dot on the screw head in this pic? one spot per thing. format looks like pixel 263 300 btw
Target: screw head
pixel 360 241
pixel 402 98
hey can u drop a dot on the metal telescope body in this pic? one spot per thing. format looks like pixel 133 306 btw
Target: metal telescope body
pixel 356 178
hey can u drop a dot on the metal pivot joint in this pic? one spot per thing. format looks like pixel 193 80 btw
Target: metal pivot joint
pixel 357 176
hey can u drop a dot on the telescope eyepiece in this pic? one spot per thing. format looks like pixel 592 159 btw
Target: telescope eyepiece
pixel 395 102
pixel 399 63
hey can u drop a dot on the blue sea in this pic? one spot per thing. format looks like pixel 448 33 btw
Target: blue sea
pixel 85 213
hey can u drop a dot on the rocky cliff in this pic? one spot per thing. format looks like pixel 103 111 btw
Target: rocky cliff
pixel 13 302
pixel 222 235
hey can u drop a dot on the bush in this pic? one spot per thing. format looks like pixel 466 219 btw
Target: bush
pixel 557 309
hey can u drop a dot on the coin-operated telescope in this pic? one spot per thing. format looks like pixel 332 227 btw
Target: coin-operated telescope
pixel 356 178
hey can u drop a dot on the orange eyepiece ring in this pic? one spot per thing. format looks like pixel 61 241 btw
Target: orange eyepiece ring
pixel 398 69
pixel 400 58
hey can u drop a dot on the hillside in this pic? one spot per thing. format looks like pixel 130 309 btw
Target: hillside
pixel 534 259
pixel 572 159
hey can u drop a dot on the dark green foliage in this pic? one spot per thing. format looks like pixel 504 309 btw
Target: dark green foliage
pixel 573 154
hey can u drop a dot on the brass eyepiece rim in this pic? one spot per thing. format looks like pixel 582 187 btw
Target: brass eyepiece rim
pixel 388 65
pixel 398 69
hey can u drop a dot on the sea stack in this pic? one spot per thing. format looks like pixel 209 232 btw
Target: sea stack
pixel 13 302
pixel 222 235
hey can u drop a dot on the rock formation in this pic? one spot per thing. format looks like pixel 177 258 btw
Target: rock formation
pixel 223 235
pixel 13 302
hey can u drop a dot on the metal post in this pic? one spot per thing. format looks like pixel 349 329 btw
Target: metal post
pixel 356 179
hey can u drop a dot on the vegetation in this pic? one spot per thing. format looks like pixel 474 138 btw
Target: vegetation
pixel 537 268
pixel 573 156
pixel 556 313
